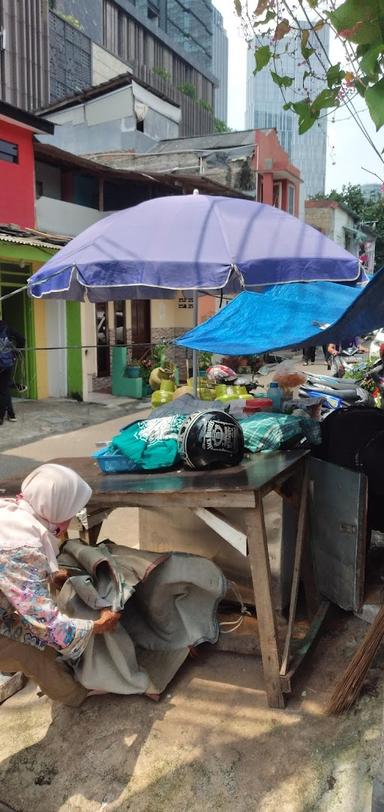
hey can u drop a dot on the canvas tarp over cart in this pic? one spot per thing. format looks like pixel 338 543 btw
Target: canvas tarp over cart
pixel 207 494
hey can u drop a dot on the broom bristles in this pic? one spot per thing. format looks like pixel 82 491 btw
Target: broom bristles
pixel 348 688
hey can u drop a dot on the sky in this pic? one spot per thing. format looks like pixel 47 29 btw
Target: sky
pixel 348 149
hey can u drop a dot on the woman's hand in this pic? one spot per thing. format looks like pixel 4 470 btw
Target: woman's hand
pixel 107 621
pixel 59 578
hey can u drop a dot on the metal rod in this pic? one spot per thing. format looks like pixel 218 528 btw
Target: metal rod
pixel 195 355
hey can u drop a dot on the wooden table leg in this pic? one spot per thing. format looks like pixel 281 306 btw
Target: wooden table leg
pixel 261 577
pixel 300 537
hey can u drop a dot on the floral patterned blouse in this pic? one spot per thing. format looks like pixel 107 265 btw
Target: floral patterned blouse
pixel 28 612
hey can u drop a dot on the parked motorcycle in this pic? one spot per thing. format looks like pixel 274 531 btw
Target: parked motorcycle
pixel 366 389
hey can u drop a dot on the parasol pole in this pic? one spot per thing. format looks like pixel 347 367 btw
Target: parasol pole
pixel 195 354
pixel 195 359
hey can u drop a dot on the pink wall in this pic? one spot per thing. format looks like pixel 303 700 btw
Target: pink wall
pixel 17 180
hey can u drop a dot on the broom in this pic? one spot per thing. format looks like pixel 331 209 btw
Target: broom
pixel 349 687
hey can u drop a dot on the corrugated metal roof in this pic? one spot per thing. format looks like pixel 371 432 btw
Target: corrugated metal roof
pixel 214 141
pixel 28 241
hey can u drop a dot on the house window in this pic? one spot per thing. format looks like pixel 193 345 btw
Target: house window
pixel 291 199
pixel 120 322
pixel 277 195
pixel 153 14
pixel 9 152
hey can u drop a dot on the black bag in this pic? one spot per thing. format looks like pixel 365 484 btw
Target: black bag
pixel 354 438
pixel 346 432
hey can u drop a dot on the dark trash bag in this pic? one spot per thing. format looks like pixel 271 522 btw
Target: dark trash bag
pixel 354 438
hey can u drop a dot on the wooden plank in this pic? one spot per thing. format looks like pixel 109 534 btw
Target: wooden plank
pixel 223 528
pixel 108 500
pixel 301 529
pixel 261 577
pixel 10 684
pixel 305 646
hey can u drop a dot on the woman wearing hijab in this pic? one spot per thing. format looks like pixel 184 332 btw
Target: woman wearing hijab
pixel 32 629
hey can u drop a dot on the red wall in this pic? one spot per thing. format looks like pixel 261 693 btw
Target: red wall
pixel 17 181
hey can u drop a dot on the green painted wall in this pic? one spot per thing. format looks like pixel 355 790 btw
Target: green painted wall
pixel 74 361
pixel 17 311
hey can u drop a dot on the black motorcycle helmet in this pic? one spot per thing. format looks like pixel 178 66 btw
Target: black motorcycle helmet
pixel 211 439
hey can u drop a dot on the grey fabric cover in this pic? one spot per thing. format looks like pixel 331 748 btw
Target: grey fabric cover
pixel 168 603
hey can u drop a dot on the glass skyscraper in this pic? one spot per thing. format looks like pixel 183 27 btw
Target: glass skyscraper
pixel 220 65
pixel 265 108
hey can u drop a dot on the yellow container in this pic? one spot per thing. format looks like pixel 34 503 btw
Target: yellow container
pixel 159 398
pixel 240 392
pixel 167 386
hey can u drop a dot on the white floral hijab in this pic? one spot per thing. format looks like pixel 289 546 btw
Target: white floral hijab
pixel 50 495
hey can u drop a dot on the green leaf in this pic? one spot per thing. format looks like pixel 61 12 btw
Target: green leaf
pixel 305 38
pixel 361 84
pixel 369 63
pixel 306 52
pixel 281 81
pixel 307 122
pixel 335 75
pixel 374 96
pixel 319 25
pixel 312 3
pixel 282 29
pixel 262 57
pixel 270 15
pixel 358 20
pixel 327 98
pixel 238 7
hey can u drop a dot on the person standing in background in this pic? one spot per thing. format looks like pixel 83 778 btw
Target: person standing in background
pixel 10 341
pixel 309 354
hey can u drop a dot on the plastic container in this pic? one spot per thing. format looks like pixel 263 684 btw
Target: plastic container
pixel 258 405
pixel 132 372
pixel 275 394
pixel 159 398
pixel 167 386
pixel 240 391
pixel 220 389
pixel 113 462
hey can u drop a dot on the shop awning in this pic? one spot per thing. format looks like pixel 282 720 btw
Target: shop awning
pixel 19 249
pixel 293 315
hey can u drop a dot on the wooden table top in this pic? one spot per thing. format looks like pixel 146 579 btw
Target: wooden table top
pixel 256 474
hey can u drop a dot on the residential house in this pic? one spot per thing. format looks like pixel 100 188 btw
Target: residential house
pixel 22 249
pixel 123 113
pixel 338 222
pixel 71 194
pixel 249 161
pixel 51 49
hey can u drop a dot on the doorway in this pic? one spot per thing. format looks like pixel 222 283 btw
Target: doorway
pixel 141 326
pixel 17 312
pixel 102 333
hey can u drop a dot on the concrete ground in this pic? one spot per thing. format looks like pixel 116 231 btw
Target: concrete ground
pixel 211 743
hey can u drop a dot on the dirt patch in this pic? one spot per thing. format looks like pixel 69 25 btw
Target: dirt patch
pixel 211 743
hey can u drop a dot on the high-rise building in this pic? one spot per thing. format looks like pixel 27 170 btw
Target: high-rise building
pixel 220 65
pixel 265 107
pixel 51 49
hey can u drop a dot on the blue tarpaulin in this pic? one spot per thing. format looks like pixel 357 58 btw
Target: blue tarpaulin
pixel 293 315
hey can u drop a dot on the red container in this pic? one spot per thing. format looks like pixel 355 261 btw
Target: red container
pixel 258 405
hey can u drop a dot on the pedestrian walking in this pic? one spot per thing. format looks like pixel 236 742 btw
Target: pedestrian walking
pixel 10 341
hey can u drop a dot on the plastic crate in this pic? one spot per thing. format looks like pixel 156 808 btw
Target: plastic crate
pixel 114 462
